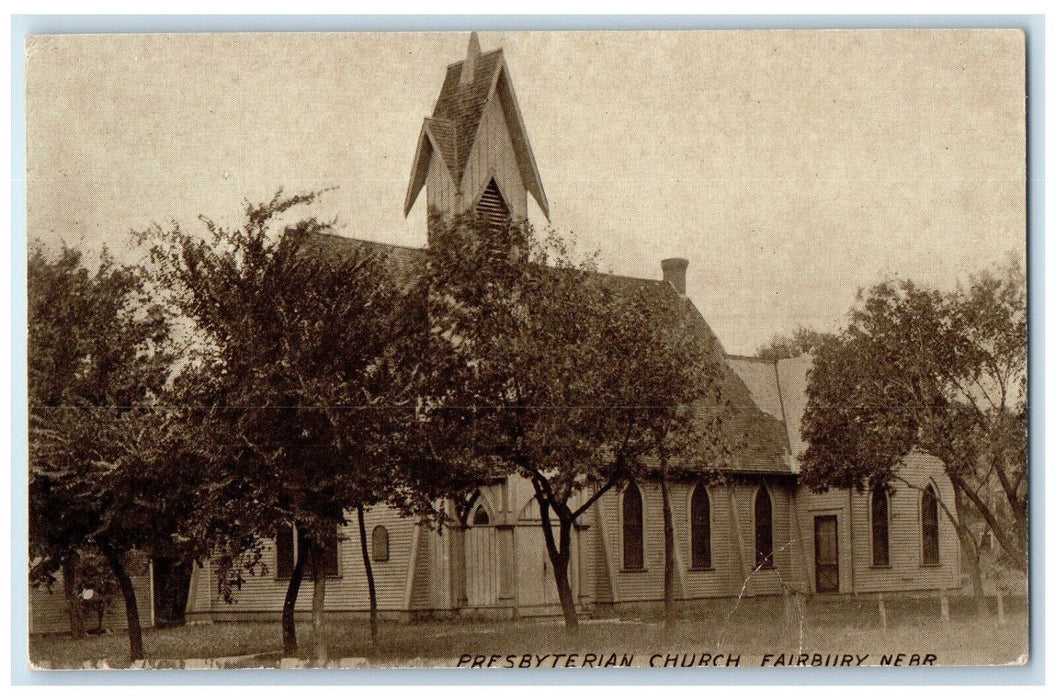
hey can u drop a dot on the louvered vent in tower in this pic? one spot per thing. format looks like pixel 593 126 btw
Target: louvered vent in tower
pixel 492 207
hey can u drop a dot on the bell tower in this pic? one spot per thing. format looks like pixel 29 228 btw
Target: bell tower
pixel 473 152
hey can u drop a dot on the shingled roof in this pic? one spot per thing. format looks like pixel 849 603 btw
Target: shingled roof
pixel 461 105
pixel 764 400
pixel 756 418
pixel 452 129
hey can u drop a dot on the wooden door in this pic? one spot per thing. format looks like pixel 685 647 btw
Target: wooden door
pixel 482 562
pixel 826 554
pixel 536 588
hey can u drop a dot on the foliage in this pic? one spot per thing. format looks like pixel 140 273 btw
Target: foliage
pixel 104 452
pixel 563 376
pixel 781 347
pixel 941 372
pixel 308 362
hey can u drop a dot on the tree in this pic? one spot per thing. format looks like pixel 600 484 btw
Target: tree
pixel 944 373
pixel 781 347
pixel 557 377
pixel 681 371
pixel 311 346
pixel 102 445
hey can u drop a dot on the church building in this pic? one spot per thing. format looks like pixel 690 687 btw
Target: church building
pixel 757 533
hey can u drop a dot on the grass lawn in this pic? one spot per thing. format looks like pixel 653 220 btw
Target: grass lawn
pixel 751 629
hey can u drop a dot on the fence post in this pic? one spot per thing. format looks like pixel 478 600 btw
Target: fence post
pixel 944 607
pixel 883 611
pixel 1000 606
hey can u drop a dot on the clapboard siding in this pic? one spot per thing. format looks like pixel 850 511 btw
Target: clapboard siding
pixel 703 583
pixel 729 574
pixel 811 505
pixel 47 608
pixel 348 591
pixel 764 581
pixel 584 554
pixel 906 571
pixel 440 192
pixel 492 155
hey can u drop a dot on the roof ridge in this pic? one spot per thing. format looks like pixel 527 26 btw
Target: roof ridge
pixel 367 240
pixel 735 356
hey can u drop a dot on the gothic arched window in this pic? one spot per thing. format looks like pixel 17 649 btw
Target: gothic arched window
pixel 700 528
pixel 764 529
pixel 879 514
pixel 633 552
pixel 379 544
pixel 929 526
pixel 481 517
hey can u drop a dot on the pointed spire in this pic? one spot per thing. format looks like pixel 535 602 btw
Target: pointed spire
pixel 469 66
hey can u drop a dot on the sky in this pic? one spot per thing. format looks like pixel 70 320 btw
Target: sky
pixel 791 168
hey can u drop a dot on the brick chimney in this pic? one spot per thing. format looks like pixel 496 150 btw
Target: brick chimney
pixel 675 273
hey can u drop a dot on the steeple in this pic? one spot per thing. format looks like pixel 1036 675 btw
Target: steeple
pixel 469 66
pixel 475 146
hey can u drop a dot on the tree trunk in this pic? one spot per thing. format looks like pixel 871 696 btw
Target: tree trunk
pixel 1013 544
pixel 74 610
pixel 289 605
pixel 319 605
pixel 971 552
pixel 371 590
pixel 669 552
pixel 124 581
pixel 560 553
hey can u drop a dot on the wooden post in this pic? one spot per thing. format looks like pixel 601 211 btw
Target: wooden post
pixel 883 611
pixel 944 607
pixel 1000 606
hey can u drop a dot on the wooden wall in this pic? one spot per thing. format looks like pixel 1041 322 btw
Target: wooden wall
pixel 47 608
pixel 491 155
pixel 733 555
pixel 905 573
pixel 264 592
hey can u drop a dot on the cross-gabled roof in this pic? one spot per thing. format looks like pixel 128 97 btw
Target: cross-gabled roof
pixel 763 400
pixel 452 130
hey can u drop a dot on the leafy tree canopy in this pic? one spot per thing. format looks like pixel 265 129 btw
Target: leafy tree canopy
pixel 944 373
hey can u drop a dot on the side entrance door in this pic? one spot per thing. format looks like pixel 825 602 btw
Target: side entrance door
pixel 826 555
pixel 482 561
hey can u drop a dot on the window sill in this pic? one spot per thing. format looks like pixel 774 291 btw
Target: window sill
pixel 936 565
pixel 625 570
pixel 879 566
pixel 701 568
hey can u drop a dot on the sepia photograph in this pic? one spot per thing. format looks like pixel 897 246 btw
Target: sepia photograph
pixel 520 350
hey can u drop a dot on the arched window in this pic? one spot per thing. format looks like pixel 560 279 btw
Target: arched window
pixel 379 544
pixel 633 554
pixel 481 517
pixel 878 512
pixel 929 526
pixel 700 528
pixel 764 529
